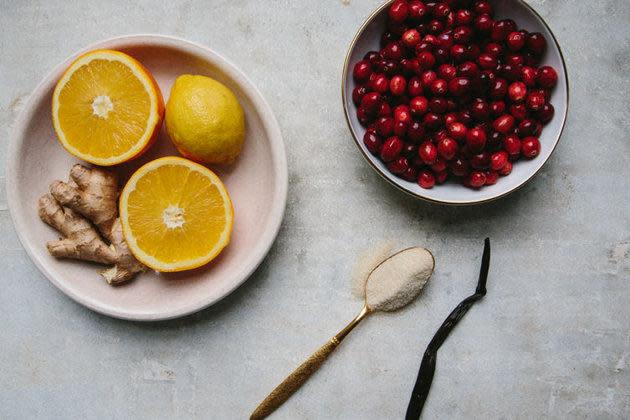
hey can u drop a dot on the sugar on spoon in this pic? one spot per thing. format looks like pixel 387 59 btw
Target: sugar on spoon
pixel 392 284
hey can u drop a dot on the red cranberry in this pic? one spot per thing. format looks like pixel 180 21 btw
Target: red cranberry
pixel 458 52
pixel 480 109
pixel 487 61
pixel 426 180
pixel 397 28
pixel 497 108
pixel 398 85
pixel 517 91
pixel 414 87
pixel 459 167
pixel 494 49
pixel 512 145
pixel 442 134
pixel 362 71
pixel 357 94
pixel 484 23
pixel 528 75
pixel 531 60
pixel 480 160
pixel 483 6
pixel 491 177
pixel 515 41
pixel 477 179
pixel 384 126
pixel 431 39
pixel 398 166
pixel 468 69
pixel 372 57
pixel 433 121
pixel 536 100
pixel 371 102
pixel 439 87
pixel 439 165
pixel 415 131
pixel 463 17
pixel 516 60
pixel 501 29
pixel 398 11
pixel 428 152
pixel 450 118
pixel 447 148
pixel 411 174
pixel 518 111
pixel 388 67
pixel 392 51
pixel 364 117
pixel 441 10
pixel 419 105
pixel 457 130
pixel 462 34
pixel 385 110
pixel 412 66
pixel 417 10
pixel 498 160
pixel 459 86
pixel 424 46
pixel 536 43
pixel 445 39
pixel 476 139
pixel 372 142
pixel 411 38
pixel 440 177
pixel 447 71
pixel 401 113
pixel 438 105
pixel 530 147
pixel 379 83
pixel 529 127
pixel 547 77
pixel 498 88
pixel 426 60
pixel 546 113
pixel 510 72
pixel 504 124
pixel 506 170
pixel 391 149
pixel 428 77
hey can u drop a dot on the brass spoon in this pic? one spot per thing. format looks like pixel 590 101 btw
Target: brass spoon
pixel 415 263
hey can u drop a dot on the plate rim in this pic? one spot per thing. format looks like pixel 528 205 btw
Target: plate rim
pixel 278 153
pixel 388 177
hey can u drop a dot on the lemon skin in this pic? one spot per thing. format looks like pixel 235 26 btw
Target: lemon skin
pixel 204 120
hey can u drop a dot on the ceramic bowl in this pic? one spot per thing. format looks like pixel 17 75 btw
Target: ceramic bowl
pixel 257 183
pixel 367 39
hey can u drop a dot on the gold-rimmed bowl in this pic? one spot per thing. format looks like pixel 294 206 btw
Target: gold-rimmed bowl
pixel 367 39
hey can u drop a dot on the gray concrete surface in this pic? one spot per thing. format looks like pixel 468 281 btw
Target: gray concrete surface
pixel 551 340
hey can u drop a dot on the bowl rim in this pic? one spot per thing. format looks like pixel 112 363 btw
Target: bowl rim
pixel 387 176
pixel 269 121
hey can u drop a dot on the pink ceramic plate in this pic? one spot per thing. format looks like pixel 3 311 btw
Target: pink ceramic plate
pixel 257 183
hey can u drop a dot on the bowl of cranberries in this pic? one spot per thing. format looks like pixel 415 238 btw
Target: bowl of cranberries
pixel 456 102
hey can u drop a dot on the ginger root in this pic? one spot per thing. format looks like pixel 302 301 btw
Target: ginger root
pixel 91 195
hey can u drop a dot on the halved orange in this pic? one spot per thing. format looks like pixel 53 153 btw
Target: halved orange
pixel 107 108
pixel 176 214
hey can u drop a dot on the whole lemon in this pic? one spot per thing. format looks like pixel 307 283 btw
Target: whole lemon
pixel 204 120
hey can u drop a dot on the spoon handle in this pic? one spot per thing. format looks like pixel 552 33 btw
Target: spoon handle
pixel 295 380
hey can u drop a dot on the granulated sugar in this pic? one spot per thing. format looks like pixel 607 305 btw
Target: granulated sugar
pixel 399 279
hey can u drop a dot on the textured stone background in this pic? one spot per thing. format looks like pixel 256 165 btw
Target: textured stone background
pixel 551 340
